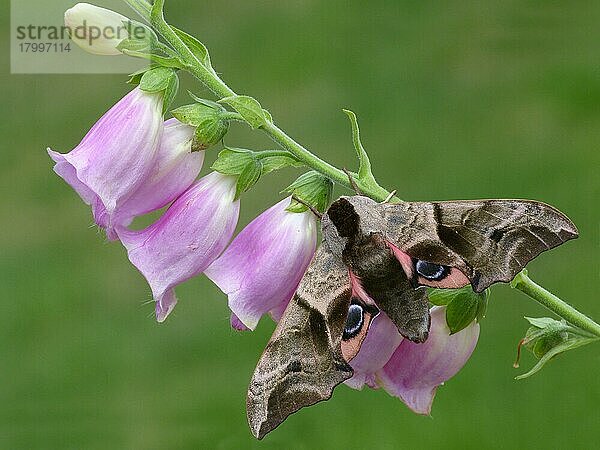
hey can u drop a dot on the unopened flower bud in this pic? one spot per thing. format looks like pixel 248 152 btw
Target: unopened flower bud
pixel 210 132
pixel 209 120
pixel 96 30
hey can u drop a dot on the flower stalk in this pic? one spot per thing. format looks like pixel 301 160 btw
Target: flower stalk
pixel 364 179
pixel 523 283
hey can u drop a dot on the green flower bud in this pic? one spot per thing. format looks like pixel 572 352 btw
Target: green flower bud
pixel 210 132
pixel 312 189
pixel 209 119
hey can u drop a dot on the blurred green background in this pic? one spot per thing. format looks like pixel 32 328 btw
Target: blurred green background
pixel 456 100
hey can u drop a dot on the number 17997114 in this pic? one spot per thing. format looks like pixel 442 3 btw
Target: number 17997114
pixel 45 47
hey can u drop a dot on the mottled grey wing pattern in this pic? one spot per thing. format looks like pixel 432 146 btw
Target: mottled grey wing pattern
pixel 488 240
pixel 302 362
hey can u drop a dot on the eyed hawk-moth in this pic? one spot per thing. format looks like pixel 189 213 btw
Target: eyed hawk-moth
pixel 389 251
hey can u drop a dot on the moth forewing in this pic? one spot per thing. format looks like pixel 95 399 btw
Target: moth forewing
pixel 303 361
pixel 489 241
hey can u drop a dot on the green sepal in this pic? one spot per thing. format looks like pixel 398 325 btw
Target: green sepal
pixel 313 189
pixel 195 46
pixel 196 113
pixel 136 77
pixel 233 161
pixel 208 119
pixel 570 344
pixel 463 306
pixel 170 92
pixel 160 79
pixel 133 45
pixel 148 47
pixel 210 132
pixel 547 338
pixel 249 109
pixel 442 297
pixel 249 177
pixel 157 79
pixel 272 163
pixel 138 43
pixel 460 312
pixel 155 59
pixel 541 341
pixel 484 299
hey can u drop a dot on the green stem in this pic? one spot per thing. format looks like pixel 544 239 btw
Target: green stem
pixel 523 283
pixel 271 153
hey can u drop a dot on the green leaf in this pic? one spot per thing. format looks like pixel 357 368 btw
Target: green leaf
pixel 313 189
pixel 463 305
pixel 272 163
pixel 157 79
pixel 196 47
pixel 248 178
pixel 441 297
pixel 461 311
pixel 364 169
pixel 249 109
pixel 233 161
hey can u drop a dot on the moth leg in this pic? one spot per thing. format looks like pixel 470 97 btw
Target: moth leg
pixel 389 197
pixel 314 210
pixel 353 182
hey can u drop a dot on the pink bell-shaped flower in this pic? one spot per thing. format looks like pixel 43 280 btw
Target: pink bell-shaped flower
pixel 261 269
pixel 415 371
pixel 186 239
pixel 115 157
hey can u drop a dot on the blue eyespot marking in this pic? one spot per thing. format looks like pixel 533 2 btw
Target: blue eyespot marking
pixel 354 322
pixel 430 271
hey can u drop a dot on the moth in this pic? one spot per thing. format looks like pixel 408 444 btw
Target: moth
pixel 390 251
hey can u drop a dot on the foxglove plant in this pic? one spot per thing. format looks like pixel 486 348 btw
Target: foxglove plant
pixel 131 163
